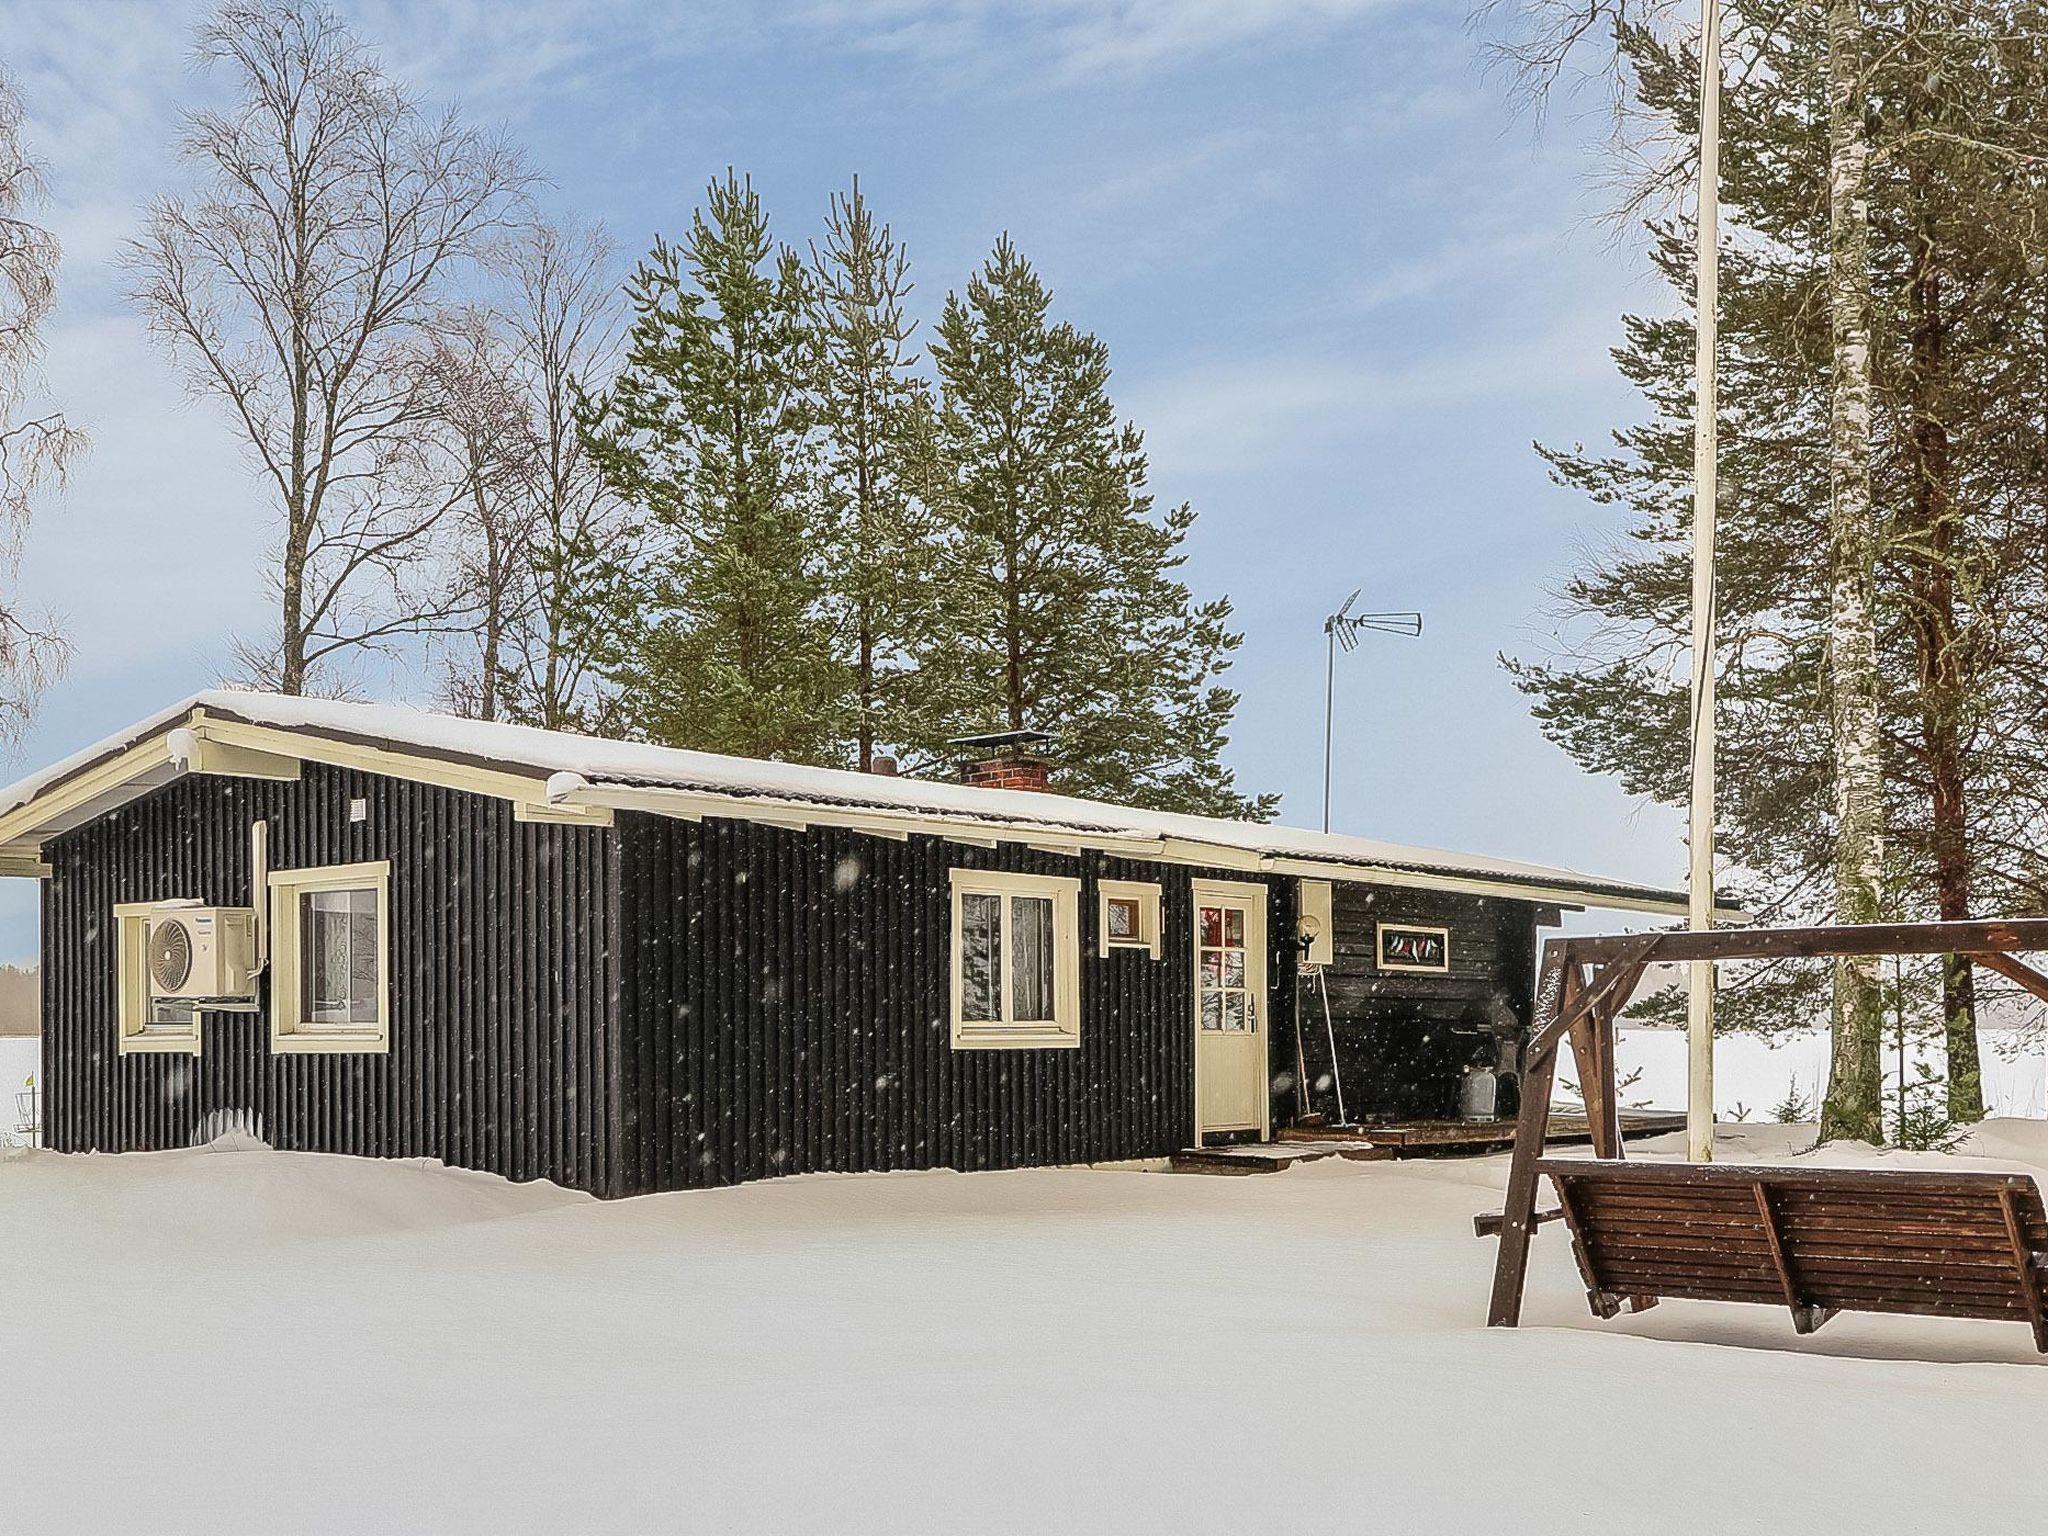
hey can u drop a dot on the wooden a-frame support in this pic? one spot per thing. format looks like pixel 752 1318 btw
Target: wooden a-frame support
pixel 1584 984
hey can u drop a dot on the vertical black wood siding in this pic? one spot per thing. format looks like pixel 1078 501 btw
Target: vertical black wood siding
pixel 672 1003
pixel 502 1054
pixel 1404 1039
pixel 786 1000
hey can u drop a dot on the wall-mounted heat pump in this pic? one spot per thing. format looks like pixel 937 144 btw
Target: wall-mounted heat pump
pixel 202 952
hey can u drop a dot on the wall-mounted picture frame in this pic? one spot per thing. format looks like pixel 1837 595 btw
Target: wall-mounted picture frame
pixel 1408 947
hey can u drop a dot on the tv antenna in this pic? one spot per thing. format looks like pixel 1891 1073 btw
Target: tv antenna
pixel 1343 628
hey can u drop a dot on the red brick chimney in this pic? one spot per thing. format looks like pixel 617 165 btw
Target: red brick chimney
pixel 1005 760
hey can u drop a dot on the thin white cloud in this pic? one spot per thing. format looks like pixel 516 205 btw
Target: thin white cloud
pixel 1067 41
pixel 1458 261
pixel 1232 415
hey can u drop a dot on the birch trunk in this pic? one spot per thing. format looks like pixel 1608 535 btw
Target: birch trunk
pixel 1854 1106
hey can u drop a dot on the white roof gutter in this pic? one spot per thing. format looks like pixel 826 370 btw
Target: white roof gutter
pixel 573 789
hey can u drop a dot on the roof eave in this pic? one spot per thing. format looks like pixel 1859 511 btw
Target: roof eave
pixel 695 804
pixel 129 766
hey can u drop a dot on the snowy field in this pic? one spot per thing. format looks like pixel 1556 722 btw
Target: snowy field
pixel 228 1341
pixel 1751 1074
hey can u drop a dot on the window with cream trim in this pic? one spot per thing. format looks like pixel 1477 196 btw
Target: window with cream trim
pixel 1016 960
pixel 1129 918
pixel 330 958
pixel 144 1024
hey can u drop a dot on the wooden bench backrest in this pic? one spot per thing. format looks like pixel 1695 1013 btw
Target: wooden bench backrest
pixel 1816 1240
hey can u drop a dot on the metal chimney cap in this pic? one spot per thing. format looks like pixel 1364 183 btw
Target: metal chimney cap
pixel 1023 739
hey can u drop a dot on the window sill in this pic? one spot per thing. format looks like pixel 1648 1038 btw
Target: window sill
pixel 1142 946
pixel 996 1038
pixel 152 1044
pixel 312 1043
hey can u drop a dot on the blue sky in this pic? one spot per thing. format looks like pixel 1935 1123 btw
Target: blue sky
pixel 1344 287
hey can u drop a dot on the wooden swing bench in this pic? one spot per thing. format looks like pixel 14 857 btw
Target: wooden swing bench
pixel 1815 1240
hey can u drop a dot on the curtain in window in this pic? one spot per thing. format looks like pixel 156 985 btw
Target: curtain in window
pixel 1031 958
pixel 339 959
pixel 981 958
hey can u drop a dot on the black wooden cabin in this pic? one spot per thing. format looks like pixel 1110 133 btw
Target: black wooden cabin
pixel 628 969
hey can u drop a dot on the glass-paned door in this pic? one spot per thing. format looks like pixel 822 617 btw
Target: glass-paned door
pixel 1221 978
pixel 1230 1008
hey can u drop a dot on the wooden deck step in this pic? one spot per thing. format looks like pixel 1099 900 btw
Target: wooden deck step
pixel 1485 1135
pixel 1407 1138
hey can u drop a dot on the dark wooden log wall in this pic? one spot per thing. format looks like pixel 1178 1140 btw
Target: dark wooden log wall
pixel 1403 1039
pixel 785 1009
pixel 501 980
pixel 779 1001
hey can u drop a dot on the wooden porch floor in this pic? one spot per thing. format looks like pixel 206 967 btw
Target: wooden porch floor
pixel 1404 1138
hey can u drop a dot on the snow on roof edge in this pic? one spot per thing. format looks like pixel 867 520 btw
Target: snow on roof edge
pixel 602 760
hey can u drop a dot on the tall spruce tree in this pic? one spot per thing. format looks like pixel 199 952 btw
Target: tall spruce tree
pixel 726 645
pixel 874 428
pixel 1958 306
pixel 1060 607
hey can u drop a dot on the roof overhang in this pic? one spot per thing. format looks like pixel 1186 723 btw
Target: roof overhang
pixel 210 739
pixel 695 805
pixel 203 741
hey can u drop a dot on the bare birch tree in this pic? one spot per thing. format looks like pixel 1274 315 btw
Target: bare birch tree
pixel 562 320
pixel 298 287
pixel 481 464
pixel 1854 1104
pixel 37 445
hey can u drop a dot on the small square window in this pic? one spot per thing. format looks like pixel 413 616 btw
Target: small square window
pixel 1122 919
pixel 1129 916
pixel 330 945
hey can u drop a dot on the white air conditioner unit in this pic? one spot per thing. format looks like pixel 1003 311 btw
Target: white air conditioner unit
pixel 201 952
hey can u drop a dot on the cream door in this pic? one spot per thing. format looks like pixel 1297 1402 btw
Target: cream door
pixel 1230 1008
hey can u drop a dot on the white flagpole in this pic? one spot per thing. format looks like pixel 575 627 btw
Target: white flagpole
pixel 1699 1013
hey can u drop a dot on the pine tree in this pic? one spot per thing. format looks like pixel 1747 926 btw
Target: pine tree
pixel 874 420
pixel 726 647
pixel 1060 604
pixel 1957 384
pixel 1795 1107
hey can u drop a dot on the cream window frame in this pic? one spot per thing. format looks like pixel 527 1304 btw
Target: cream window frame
pixel 1063 1030
pixel 290 1032
pixel 1147 895
pixel 135 1032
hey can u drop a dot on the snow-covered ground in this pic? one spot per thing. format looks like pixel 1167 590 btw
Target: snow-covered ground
pixel 229 1341
pixel 1751 1074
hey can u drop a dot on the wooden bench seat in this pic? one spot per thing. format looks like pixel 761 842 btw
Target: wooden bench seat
pixel 1816 1241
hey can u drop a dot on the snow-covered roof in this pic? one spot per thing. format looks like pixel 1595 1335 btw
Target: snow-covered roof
pixel 561 771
